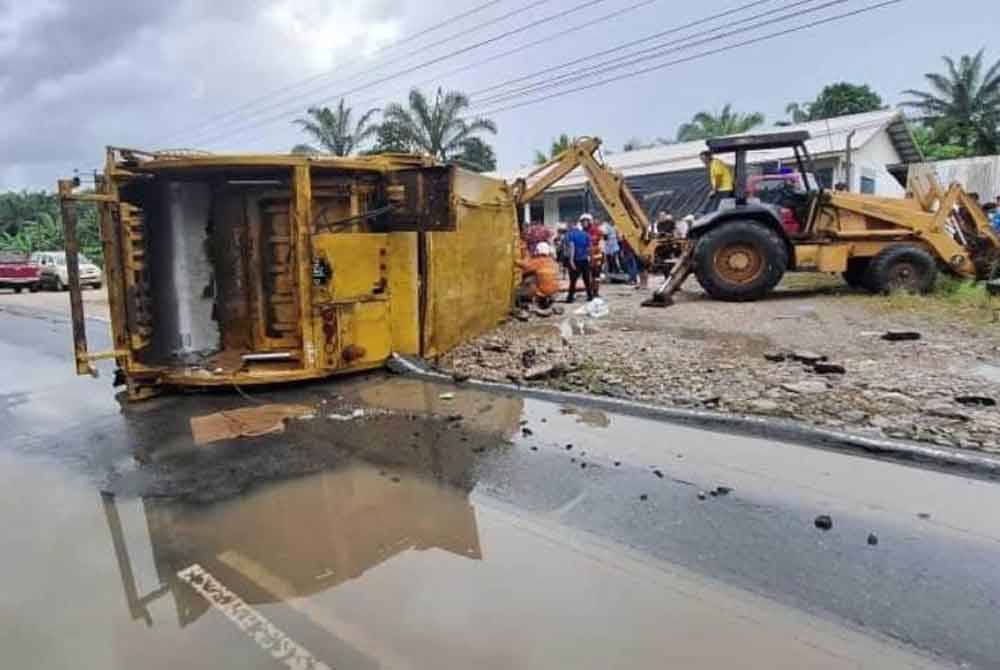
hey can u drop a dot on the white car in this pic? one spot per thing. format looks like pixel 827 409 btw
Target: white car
pixel 54 274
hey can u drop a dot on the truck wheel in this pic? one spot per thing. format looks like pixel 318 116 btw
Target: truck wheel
pixel 856 272
pixel 18 289
pixel 901 267
pixel 34 287
pixel 740 261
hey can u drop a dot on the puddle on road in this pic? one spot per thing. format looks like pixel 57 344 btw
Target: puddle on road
pixel 594 418
pixel 364 567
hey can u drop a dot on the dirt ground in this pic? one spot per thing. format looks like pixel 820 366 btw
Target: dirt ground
pixel 713 355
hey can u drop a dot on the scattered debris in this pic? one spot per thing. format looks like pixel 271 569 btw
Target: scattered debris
pixel 823 522
pixel 245 422
pixel 453 417
pixel 658 473
pixel 976 400
pixel 946 410
pixel 534 448
pixel 824 368
pixel 527 432
pixel 776 356
pixel 900 335
pixel 356 414
pixel 447 396
pixel 528 357
pixel 808 357
pixel 872 539
pixel 568 447
pixel 583 465
pixel 394 479
pixel 923 515
pixel 618 464
pixel 460 377
pixel 723 490
pixel 807 387
pixel 643 496
pixel 543 371
pixel 521 314
pixel 701 495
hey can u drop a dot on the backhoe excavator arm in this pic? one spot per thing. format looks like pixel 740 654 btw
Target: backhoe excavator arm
pixel 618 201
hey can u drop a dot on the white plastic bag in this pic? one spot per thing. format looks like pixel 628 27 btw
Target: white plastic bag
pixel 595 309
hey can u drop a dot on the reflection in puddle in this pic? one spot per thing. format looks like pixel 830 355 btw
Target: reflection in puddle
pixel 594 418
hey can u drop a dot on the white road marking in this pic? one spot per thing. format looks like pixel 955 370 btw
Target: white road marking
pixel 264 634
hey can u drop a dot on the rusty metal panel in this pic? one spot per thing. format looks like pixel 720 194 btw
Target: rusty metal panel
pixel 470 273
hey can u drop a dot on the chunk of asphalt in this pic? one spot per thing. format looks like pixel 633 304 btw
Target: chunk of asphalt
pixel 568 447
pixel 823 522
pixel 658 474
pixel 527 432
pixel 872 539
pixel 723 490
pixel 618 464
pixel 901 335
pixel 643 496
pixel 823 368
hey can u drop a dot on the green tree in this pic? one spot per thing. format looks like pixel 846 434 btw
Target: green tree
pixel 797 113
pixel 334 130
pixel 962 107
pixel 31 221
pixel 933 149
pixel 477 156
pixel 843 98
pixel 390 138
pixel 559 145
pixel 438 129
pixel 705 125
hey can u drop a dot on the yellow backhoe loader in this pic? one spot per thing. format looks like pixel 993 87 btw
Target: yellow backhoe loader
pixel 741 250
pixel 656 254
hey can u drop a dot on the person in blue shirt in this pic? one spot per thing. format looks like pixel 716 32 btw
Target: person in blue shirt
pixel 995 220
pixel 578 258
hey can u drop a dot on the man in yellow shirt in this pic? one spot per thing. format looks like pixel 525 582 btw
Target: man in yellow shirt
pixel 720 180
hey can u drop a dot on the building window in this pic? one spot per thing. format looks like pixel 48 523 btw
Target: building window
pixel 825 177
pixel 570 207
pixel 868 185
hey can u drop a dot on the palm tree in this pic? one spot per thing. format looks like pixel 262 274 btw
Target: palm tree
pixel 963 105
pixel 333 130
pixel 438 129
pixel 559 145
pixel 727 122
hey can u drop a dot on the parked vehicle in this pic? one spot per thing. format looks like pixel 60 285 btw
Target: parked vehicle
pixel 18 272
pixel 54 274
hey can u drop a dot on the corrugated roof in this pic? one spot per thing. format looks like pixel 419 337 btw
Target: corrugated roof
pixel 826 137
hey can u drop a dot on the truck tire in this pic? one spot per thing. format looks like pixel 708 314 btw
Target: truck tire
pixel 740 261
pixel 18 289
pixel 901 267
pixel 857 272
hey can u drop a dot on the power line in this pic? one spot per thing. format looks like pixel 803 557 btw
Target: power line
pixel 657 51
pixel 697 56
pixel 322 75
pixel 548 19
pixel 518 49
pixel 628 44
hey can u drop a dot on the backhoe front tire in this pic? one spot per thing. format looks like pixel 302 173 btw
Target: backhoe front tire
pixel 740 261
pixel 902 267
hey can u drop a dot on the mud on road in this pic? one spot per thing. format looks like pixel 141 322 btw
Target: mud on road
pixel 721 356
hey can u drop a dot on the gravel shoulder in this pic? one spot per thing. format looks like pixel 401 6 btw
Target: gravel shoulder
pixel 713 355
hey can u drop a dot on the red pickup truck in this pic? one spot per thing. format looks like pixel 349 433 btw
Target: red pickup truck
pixel 18 272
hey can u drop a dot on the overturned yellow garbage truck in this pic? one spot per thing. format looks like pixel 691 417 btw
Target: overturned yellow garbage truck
pixel 249 269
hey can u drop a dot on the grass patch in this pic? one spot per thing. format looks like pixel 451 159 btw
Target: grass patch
pixel 951 299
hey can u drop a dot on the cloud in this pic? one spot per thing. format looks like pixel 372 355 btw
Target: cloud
pixel 76 76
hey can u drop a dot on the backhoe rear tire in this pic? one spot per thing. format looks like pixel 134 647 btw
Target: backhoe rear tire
pixel 902 267
pixel 740 261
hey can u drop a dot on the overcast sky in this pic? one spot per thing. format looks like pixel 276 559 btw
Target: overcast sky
pixel 75 76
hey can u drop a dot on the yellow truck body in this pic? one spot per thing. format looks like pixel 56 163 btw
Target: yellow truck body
pixel 249 269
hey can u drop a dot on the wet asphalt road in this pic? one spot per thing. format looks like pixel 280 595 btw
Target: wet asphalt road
pixel 369 516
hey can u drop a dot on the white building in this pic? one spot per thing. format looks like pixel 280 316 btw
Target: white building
pixel 976 175
pixel 672 177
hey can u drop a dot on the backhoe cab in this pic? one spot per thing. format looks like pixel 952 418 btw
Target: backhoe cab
pixel 741 250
